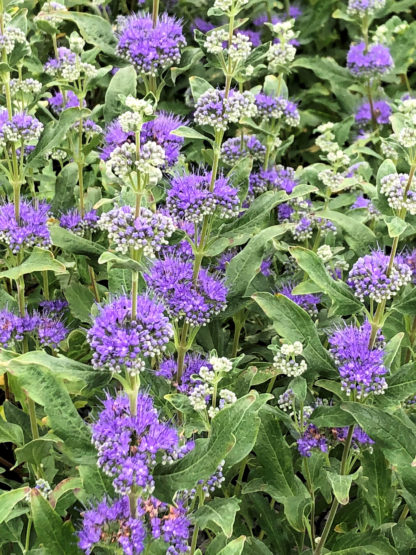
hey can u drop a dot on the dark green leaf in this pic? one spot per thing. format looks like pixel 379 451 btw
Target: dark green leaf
pixel 80 300
pixel 294 324
pixel 9 499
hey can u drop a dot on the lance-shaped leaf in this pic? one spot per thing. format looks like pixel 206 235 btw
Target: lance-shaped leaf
pixel 40 260
pixel 341 484
pixel 9 500
pixel 218 515
pixel 294 324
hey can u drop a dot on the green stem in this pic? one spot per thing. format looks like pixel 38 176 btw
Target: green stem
pixel 132 395
pixel 28 530
pixel 80 164
pixel 32 415
pixel 312 493
pixel 239 320
pixel 45 284
pixel 335 503
pixel 155 12
pixel 94 284
pixel 182 349
pixel 239 482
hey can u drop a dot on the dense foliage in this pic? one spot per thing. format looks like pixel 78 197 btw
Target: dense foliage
pixel 208 268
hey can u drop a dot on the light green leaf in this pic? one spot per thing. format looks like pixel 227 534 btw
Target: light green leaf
pixel 339 292
pixel 35 451
pixel 359 233
pixel 39 260
pixel 395 226
pixel 10 432
pixel 199 86
pixel 9 499
pixel 93 29
pixel 234 548
pixel 190 133
pixel 120 261
pixel 71 243
pixel 341 484
pixel 123 83
pixel 218 515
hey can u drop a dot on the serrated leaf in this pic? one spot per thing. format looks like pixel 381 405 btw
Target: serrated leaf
pixel 93 29
pixel 35 451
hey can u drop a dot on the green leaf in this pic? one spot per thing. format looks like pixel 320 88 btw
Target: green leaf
pixel 203 461
pixel 294 324
pixel 71 243
pixel 190 133
pixel 339 292
pixel 123 83
pixel 80 300
pixel 341 484
pixel 114 260
pixel 401 385
pixel 46 390
pixel 253 546
pixel 199 86
pixel 35 451
pixel 189 57
pixel 218 515
pixel 246 432
pixel 82 376
pixel 9 499
pixel 275 468
pixel 395 226
pixel 64 188
pixel 392 348
pixel 243 267
pixel 359 233
pixel 353 543
pixel 10 432
pixel 331 417
pixel 234 548
pixel 94 30
pixel 54 133
pixel 388 431
pixel 52 533
pixel 39 260
pixel 407 303
pixel 379 494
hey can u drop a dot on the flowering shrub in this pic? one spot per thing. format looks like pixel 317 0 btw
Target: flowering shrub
pixel 207 270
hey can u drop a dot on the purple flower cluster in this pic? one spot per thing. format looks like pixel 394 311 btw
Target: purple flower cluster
pixel 31 230
pixel 270 107
pixel 127 443
pixel 369 62
pixel 312 438
pixel 58 103
pixel 119 342
pixel 308 302
pixel 191 367
pixel 148 232
pixel 359 437
pixel 112 523
pixel 43 326
pixel 361 369
pixel 370 276
pixel 279 177
pixel 158 130
pixel 190 197
pixel 150 49
pixel 80 225
pixel 238 147
pixel 196 303
pixel 382 113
